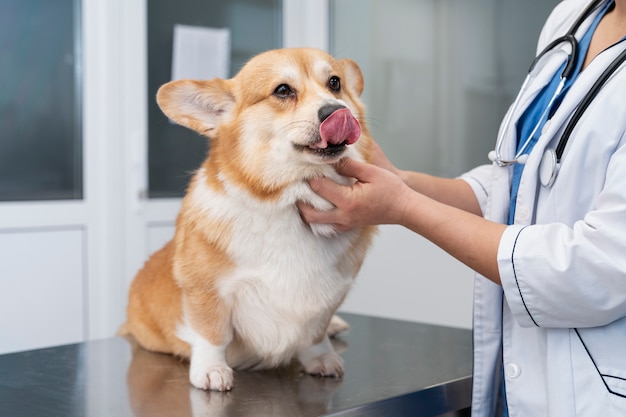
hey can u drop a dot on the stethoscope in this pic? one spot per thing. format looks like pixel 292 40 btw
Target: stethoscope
pixel 551 159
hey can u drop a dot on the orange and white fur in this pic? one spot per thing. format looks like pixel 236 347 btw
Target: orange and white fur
pixel 245 283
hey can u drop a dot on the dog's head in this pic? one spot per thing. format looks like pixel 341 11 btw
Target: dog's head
pixel 284 116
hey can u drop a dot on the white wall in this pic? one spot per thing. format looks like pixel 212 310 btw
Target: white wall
pixel 399 48
pixel 406 277
pixel 439 76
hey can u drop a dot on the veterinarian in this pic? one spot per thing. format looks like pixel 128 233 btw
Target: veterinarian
pixel 543 227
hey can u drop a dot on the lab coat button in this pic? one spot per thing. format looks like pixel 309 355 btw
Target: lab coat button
pixel 512 370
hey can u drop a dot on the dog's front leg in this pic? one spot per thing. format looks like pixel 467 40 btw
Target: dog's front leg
pixel 321 359
pixel 208 331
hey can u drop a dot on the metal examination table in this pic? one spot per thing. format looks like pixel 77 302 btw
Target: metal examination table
pixel 393 368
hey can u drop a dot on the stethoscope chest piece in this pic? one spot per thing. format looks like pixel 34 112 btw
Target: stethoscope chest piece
pixel 548 168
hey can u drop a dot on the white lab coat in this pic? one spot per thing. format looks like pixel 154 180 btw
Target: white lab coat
pixel 563 262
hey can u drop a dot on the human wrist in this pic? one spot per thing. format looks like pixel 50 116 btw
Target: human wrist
pixel 408 203
pixel 403 174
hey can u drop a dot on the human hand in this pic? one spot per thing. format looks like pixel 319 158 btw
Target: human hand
pixel 377 197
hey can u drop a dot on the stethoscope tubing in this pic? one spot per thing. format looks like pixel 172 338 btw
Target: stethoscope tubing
pixel 586 101
pixel 520 156
pixel 555 156
pixel 569 38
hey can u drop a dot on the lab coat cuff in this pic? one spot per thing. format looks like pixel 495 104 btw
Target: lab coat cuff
pixel 477 179
pixel 511 276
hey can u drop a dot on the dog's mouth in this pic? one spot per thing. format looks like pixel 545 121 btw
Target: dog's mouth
pixel 336 132
pixel 329 151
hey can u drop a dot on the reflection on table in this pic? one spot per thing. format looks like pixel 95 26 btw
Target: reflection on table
pixel 392 368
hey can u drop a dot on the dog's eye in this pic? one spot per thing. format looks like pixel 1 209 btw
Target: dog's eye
pixel 334 83
pixel 283 91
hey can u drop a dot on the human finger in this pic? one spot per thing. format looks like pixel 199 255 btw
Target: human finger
pixel 307 211
pixel 360 171
pixel 311 215
pixel 328 189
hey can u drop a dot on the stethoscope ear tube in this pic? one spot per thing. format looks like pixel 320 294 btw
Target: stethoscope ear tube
pixel 570 67
pixel 551 160
pixel 586 101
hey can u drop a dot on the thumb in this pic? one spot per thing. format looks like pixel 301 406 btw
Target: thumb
pixel 361 171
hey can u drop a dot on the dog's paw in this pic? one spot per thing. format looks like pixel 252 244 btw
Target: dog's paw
pixel 329 364
pixel 336 326
pixel 215 378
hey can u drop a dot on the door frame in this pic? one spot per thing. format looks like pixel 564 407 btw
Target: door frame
pixel 100 209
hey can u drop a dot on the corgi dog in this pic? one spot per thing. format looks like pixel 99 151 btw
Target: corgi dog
pixel 245 283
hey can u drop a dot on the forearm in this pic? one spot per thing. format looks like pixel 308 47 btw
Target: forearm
pixel 450 191
pixel 453 192
pixel 444 211
pixel 464 235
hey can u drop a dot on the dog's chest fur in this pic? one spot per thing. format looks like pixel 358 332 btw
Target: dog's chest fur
pixel 285 277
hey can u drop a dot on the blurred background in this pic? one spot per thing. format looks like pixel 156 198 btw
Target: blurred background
pixel 91 172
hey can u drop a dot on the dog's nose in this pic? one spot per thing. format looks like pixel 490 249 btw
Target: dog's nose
pixel 327 110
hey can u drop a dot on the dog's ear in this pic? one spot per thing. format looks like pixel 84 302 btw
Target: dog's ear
pixel 353 76
pixel 198 105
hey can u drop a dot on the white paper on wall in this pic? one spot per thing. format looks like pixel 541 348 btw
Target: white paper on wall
pixel 200 53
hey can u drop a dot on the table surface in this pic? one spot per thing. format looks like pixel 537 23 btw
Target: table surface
pixel 392 367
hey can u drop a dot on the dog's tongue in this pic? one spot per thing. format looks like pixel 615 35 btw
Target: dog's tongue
pixel 341 126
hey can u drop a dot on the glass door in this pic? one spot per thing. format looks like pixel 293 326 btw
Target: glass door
pixel 40 102
pixel 174 152
pixel 42 208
